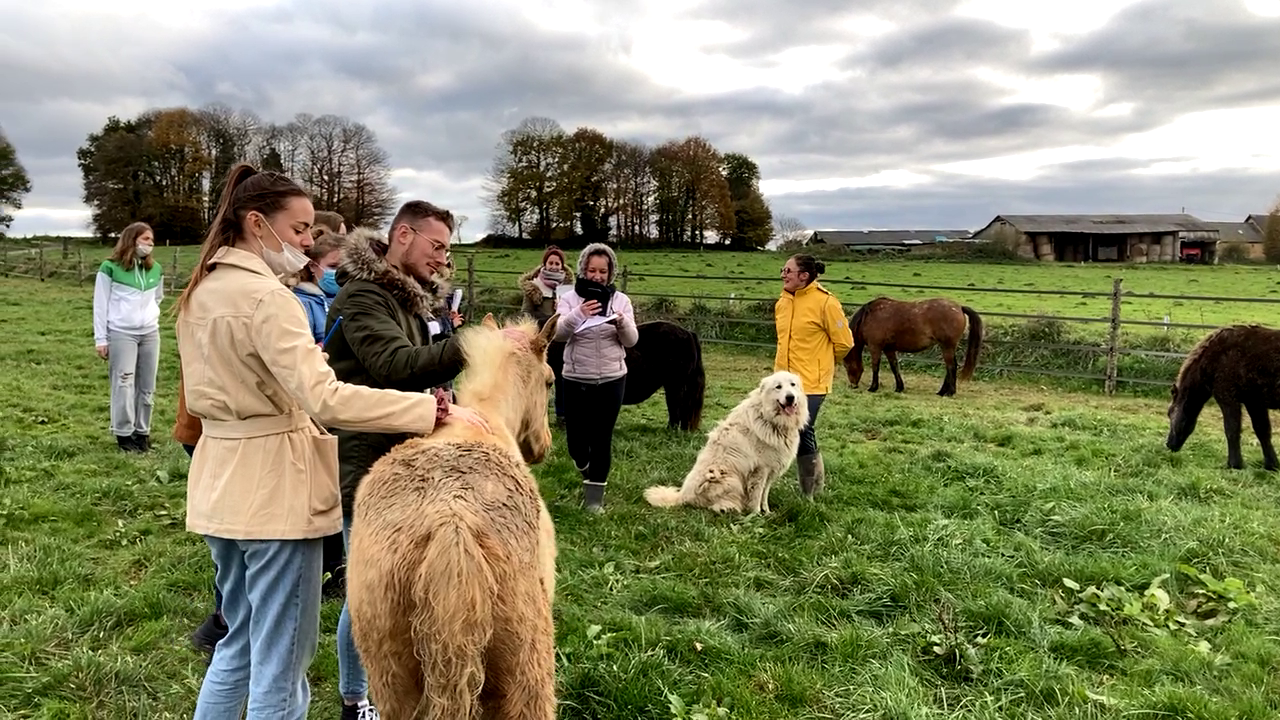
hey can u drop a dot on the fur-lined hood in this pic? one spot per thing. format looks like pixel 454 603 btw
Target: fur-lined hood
pixel 361 262
pixel 592 249
pixel 529 283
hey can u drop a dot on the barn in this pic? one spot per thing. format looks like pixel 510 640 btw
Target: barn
pixel 1246 235
pixel 874 240
pixel 1103 238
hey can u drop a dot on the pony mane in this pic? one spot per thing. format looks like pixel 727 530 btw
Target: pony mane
pixel 487 354
pixel 860 315
pixel 1192 368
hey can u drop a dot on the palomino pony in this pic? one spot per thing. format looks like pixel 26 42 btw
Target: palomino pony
pixel 895 326
pixel 1237 366
pixel 451 573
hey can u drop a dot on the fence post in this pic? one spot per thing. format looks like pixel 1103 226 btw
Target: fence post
pixel 471 283
pixel 66 247
pixel 622 284
pixel 1113 337
pixel 79 266
pixel 173 272
pixel 40 269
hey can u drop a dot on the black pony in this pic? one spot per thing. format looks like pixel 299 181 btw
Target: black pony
pixel 666 356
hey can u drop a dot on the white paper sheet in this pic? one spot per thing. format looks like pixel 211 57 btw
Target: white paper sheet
pixel 593 321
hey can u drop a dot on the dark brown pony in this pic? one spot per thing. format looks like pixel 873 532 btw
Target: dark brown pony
pixel 895 326
pixel 1237 366
pixel 666 357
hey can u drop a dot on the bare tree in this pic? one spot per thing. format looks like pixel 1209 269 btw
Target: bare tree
pixel 787 229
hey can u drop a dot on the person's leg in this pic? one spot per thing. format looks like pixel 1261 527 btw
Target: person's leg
pixel 808 457
pixel 122 363
pixel 353 683
pixel 606 403
pixel 283 582
pixel 145 388
pixel 578 423
pixel 226 682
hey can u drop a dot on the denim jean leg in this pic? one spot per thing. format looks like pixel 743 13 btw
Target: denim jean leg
pixel 283 582
pixel 226 682
pixel 353 683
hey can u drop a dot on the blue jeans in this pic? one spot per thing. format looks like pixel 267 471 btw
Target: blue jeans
pixel 353 684
pixel 217 594
pixel 271 602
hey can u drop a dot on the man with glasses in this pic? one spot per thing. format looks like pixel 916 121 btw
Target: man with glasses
pixel 384 330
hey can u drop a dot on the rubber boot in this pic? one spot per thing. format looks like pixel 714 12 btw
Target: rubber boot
pixel 809 468
pixel 593 496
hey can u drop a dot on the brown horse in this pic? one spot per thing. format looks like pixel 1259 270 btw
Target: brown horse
pixel 895 326
pixel 1236 366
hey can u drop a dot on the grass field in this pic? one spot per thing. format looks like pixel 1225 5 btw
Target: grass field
pixel 754 276
pixel 921 585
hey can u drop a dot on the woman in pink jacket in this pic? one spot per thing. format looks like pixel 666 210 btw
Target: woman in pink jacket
pixel 597 326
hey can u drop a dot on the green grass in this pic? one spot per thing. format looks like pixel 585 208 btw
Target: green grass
pixel 972 508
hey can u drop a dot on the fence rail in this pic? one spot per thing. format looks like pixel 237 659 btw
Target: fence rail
pixel 747 322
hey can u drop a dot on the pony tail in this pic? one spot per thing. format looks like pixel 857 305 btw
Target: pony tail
pixel 819 266
pixel 222 230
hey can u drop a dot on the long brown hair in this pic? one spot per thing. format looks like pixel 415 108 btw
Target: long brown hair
pixel 123 253
pixel 246 190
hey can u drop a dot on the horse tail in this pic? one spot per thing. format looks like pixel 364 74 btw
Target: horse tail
pixel 975 342
pixel 663 496
pixel 452 622
pixel 695 387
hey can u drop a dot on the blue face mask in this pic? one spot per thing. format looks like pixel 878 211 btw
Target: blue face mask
pixel 329 282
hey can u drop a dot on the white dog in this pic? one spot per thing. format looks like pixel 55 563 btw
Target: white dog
pixel 746 452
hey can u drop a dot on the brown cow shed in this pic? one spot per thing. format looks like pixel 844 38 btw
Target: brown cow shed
pixel 1106 238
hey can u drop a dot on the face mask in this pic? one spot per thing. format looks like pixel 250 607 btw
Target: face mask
pixel 283 262
pixel 142 250
pixel 329 282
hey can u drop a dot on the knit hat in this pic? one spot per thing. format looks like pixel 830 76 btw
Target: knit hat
pixel 553 250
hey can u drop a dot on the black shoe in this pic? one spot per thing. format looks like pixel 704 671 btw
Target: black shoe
pixel 209 634
pixel 142 442
pixel 363 711
pixel 128 444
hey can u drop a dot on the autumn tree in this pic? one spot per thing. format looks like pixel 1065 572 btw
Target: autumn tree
pixel 753 219
pixel 525 190
pixel 1271 236
pixel 166 167
pixel 14 183
pixel 787 229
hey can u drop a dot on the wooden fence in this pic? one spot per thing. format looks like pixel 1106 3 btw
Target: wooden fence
pixel 747 322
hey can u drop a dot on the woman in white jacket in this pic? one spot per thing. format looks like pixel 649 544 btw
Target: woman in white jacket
pixel 126 331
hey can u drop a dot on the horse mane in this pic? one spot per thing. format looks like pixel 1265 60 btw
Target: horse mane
pixel 487 354
pixel 855 323
pixel 1192 369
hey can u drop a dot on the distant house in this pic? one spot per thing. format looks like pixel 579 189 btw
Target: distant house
pixel 1259 222
pixel 1248 233
pixel 885 239
pixel 1105 238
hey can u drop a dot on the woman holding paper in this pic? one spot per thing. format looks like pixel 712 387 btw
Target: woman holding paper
pixel 598 325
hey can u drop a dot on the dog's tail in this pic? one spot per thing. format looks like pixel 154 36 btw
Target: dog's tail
pixel 664 496
pixel 452 622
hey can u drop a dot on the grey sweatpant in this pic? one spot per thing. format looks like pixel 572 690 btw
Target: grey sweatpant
pixel 132 361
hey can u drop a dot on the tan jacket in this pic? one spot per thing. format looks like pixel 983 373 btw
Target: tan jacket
pixel 254 376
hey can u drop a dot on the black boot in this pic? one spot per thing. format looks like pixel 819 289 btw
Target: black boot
pixel 593 496
pixel 208 635
pixel 128 444
pixel 142 441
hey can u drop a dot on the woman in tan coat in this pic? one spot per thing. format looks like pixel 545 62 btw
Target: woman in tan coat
pixel 263 484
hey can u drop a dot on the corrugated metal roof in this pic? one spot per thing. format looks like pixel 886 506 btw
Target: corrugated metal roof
pixel 1104 224
pixel 886 237
pixel 1236 232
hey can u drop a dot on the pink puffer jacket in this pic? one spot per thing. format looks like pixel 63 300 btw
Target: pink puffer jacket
pixel 598 353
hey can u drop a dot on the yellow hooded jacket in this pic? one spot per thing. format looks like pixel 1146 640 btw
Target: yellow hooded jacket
pixel 812 334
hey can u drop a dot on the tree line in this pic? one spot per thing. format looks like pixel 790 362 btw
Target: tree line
pixel 14 182
pixel 166 167
pixel 549 185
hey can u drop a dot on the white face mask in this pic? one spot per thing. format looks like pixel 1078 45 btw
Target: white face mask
pixel 286 262
pixel 142 250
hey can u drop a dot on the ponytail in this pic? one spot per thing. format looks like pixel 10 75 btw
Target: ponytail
pixel 810 265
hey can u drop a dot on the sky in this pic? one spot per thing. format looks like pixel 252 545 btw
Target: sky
pixel 905 114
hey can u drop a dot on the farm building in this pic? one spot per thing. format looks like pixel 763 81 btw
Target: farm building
pixel 885 239
pixel 1246 234
pixel 1103 238
pixel 1259 222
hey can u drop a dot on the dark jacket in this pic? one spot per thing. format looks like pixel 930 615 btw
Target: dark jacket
pixel 384 341
pixel 532 300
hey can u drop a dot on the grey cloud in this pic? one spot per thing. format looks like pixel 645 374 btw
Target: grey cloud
pixel 440 82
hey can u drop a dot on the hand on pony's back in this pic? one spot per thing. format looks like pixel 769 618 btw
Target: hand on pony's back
pixel 459 415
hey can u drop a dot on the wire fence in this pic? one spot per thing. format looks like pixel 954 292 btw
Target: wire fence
pixel 1089 349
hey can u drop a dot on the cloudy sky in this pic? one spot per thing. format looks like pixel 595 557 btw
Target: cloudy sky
pixel 899 114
